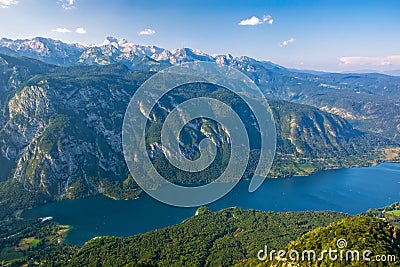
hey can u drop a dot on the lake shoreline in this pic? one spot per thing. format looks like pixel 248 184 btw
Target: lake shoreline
pixel 375 163
pixel 342 190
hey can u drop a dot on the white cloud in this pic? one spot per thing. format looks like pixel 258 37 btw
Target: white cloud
pixel 67 4
pixel 287 42
pixel 147 32
pixel 80 30
pixel 61 30
pixel 253 21
pixel 7 3
pixel 371 61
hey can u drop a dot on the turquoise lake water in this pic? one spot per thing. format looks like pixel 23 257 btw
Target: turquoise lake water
pixel 346 190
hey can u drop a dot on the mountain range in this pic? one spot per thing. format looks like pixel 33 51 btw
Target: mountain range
pixel 370 101
pixel 62 107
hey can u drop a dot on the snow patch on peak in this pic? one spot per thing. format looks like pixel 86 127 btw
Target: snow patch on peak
pixel 114 50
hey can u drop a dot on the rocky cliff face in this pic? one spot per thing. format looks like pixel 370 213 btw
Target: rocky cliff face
pixel 57 129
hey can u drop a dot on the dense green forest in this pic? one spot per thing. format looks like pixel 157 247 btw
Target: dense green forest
pixel 208 238
pixel 230 237
pixel 377 243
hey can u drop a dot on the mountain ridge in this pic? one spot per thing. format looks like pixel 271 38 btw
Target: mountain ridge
pixel 43 46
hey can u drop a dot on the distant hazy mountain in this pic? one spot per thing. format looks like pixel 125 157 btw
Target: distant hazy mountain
pixel 371 71
pixel 393 72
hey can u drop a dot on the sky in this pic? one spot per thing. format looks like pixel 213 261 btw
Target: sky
pixel 330 35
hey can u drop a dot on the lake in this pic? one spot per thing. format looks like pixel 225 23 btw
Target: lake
pixel 346 190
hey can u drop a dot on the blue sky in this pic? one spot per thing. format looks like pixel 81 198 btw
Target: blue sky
pixel 334 35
